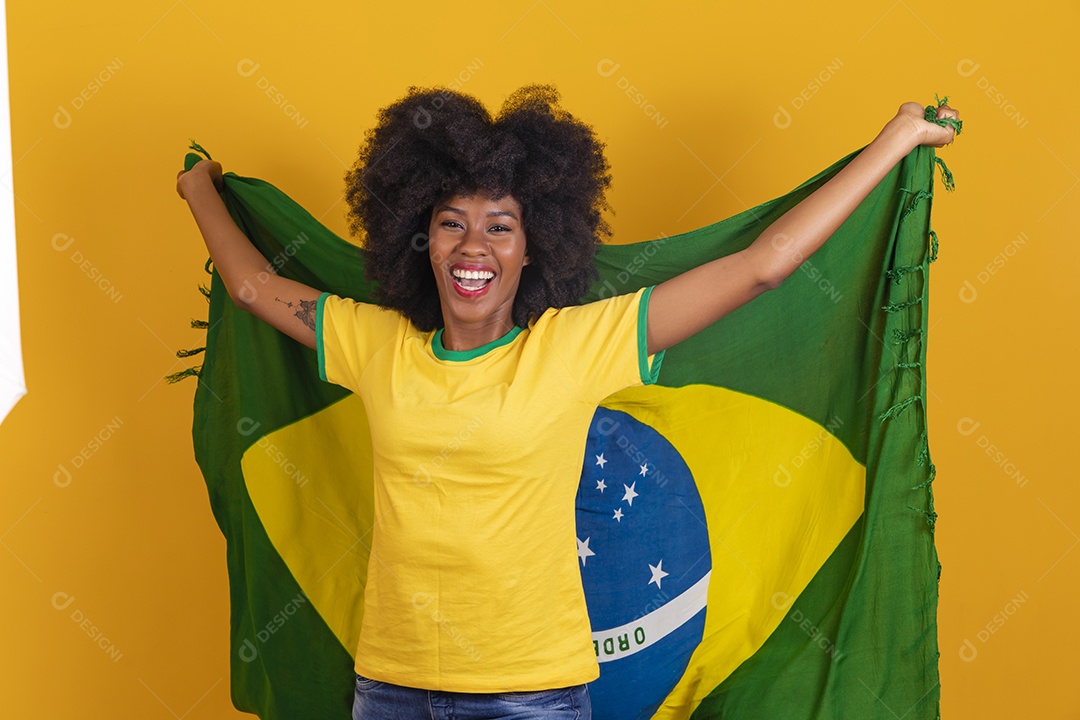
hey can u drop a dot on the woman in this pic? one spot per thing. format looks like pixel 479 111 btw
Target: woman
pixel 479 234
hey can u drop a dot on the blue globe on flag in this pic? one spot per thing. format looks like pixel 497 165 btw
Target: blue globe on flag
pixel 643 547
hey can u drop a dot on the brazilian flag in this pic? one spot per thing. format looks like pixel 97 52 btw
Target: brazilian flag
pixel 755 530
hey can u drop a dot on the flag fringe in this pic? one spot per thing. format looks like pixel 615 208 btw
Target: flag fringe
pixel 178 376
pixel 196 324
pixel 946 174
pixel 924 451
pixel 191 158
pixel 957 125
pixel 903 337
pixel 931 518
pixel 896 307
pixel 899 408
pixel 199 148
pixel 897 274
pixel 929 479
pixel 931 115
pixel 915 200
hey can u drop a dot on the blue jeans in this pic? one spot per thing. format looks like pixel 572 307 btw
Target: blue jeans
pixel 376 700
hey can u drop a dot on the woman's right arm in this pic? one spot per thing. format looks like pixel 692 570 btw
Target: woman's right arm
pixel 249 278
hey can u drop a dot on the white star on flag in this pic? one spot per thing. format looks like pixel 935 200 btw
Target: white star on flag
pixel 583 550
pixel 600 460
pixel 657 573
pixel 629 495
pixel 600 485
pixel 644 469
pixel 618 514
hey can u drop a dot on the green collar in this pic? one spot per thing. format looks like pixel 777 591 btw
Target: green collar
pixel 459 355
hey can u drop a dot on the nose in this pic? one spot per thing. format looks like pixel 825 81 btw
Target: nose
pixel 473 242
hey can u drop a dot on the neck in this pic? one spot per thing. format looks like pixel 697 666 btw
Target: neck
pixel 461 335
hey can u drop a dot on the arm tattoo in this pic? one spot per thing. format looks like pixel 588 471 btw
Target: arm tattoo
pixel 306 313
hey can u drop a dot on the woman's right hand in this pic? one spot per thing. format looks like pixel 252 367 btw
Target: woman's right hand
pixel 204 168
pixel 251 281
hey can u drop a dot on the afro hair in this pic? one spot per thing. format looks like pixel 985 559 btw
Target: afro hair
pixel 434 144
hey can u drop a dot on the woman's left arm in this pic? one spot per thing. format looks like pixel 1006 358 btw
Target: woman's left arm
pixel 695 299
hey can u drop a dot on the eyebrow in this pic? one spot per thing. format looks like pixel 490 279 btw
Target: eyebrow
pixel 493 213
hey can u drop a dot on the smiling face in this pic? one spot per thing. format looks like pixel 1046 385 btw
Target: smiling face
pixel 477 250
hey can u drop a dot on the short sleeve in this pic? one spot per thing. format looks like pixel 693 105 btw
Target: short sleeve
pixel 348 334
pixel 603 344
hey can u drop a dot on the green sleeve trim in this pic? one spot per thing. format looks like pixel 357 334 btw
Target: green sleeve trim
pixel 319 350
pixel 648 375
pixel 462 355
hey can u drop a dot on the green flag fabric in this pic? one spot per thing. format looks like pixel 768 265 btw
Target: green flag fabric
pixel 776 481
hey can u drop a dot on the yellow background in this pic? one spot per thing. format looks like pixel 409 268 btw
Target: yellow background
pixel 106 530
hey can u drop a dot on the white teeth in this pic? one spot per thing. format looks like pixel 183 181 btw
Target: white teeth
pixel 472 274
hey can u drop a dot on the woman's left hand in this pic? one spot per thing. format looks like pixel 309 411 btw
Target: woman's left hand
pixel 912 117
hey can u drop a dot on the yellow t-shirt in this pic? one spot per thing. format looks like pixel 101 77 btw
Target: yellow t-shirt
pixel 473 581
